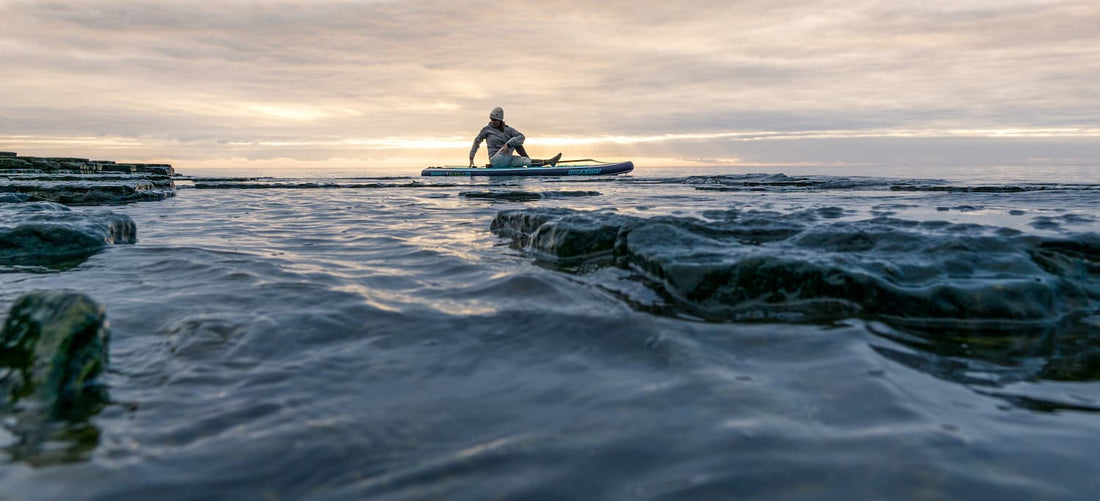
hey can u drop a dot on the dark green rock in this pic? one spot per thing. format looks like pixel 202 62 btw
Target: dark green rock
pixel 12 163
pixel 775 266
pixel 118 168
pixel 41 233
pixel 92 190
pixel 67 159
pixel 156 169
pixel 54 346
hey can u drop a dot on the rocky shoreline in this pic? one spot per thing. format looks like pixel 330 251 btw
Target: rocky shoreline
pixel 40 225
pixel 55 342
pixel 80 181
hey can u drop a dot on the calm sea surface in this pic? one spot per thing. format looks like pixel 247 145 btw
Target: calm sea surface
pixel 781 333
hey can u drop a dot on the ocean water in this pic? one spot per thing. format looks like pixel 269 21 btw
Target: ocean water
pixel 722 333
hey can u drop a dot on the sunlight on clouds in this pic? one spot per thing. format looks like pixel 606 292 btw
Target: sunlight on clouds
pixel 367 143
pixel 227 107
pixel 436 106
pixel 295 112
pixel 62 141
pixel 407 144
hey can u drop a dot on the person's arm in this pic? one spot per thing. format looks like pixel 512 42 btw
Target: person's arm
pixel 477 143
pixel 516 138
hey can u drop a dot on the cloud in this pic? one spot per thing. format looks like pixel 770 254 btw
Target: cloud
pixel 340 74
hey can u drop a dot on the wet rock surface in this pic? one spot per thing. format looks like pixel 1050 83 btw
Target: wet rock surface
pixel 55 347
pixel 524 196
pixel 80 181
pixel 92 191
pixel 14 198
pixel 805 266
pixel 965 297
pixel 46 233
pixel 215 184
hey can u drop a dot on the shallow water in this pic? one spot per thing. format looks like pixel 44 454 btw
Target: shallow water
pixel 794 334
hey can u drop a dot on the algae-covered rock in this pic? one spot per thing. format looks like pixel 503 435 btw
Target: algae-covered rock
pixel 12 163
pixel 54 345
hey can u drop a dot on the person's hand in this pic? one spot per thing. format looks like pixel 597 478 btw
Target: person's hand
pixel 503 150
pixel 471 163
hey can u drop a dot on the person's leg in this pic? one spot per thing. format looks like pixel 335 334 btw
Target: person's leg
pixel 549 161
pixel 509 161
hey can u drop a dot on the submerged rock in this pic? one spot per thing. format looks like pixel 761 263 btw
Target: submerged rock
pixel 54 347
pixel 43 232
pixel 262 184
pixel 91 191
pixel 525 196
pixel 562 234
pixel 13 198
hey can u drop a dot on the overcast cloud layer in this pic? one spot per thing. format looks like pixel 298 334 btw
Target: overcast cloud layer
pixel 407 82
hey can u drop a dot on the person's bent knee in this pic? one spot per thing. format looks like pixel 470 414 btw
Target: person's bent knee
pixel 507 161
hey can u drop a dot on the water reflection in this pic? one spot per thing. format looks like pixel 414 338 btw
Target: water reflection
pixel 999 362
pixel 39 442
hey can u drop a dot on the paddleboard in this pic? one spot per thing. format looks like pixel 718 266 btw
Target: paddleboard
pixel 559 170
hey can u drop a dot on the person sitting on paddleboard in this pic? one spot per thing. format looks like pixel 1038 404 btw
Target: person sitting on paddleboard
pixel 501 141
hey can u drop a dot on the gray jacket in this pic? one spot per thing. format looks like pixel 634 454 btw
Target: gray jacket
pixel 496 138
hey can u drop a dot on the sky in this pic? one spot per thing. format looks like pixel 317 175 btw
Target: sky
pixel 241 83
